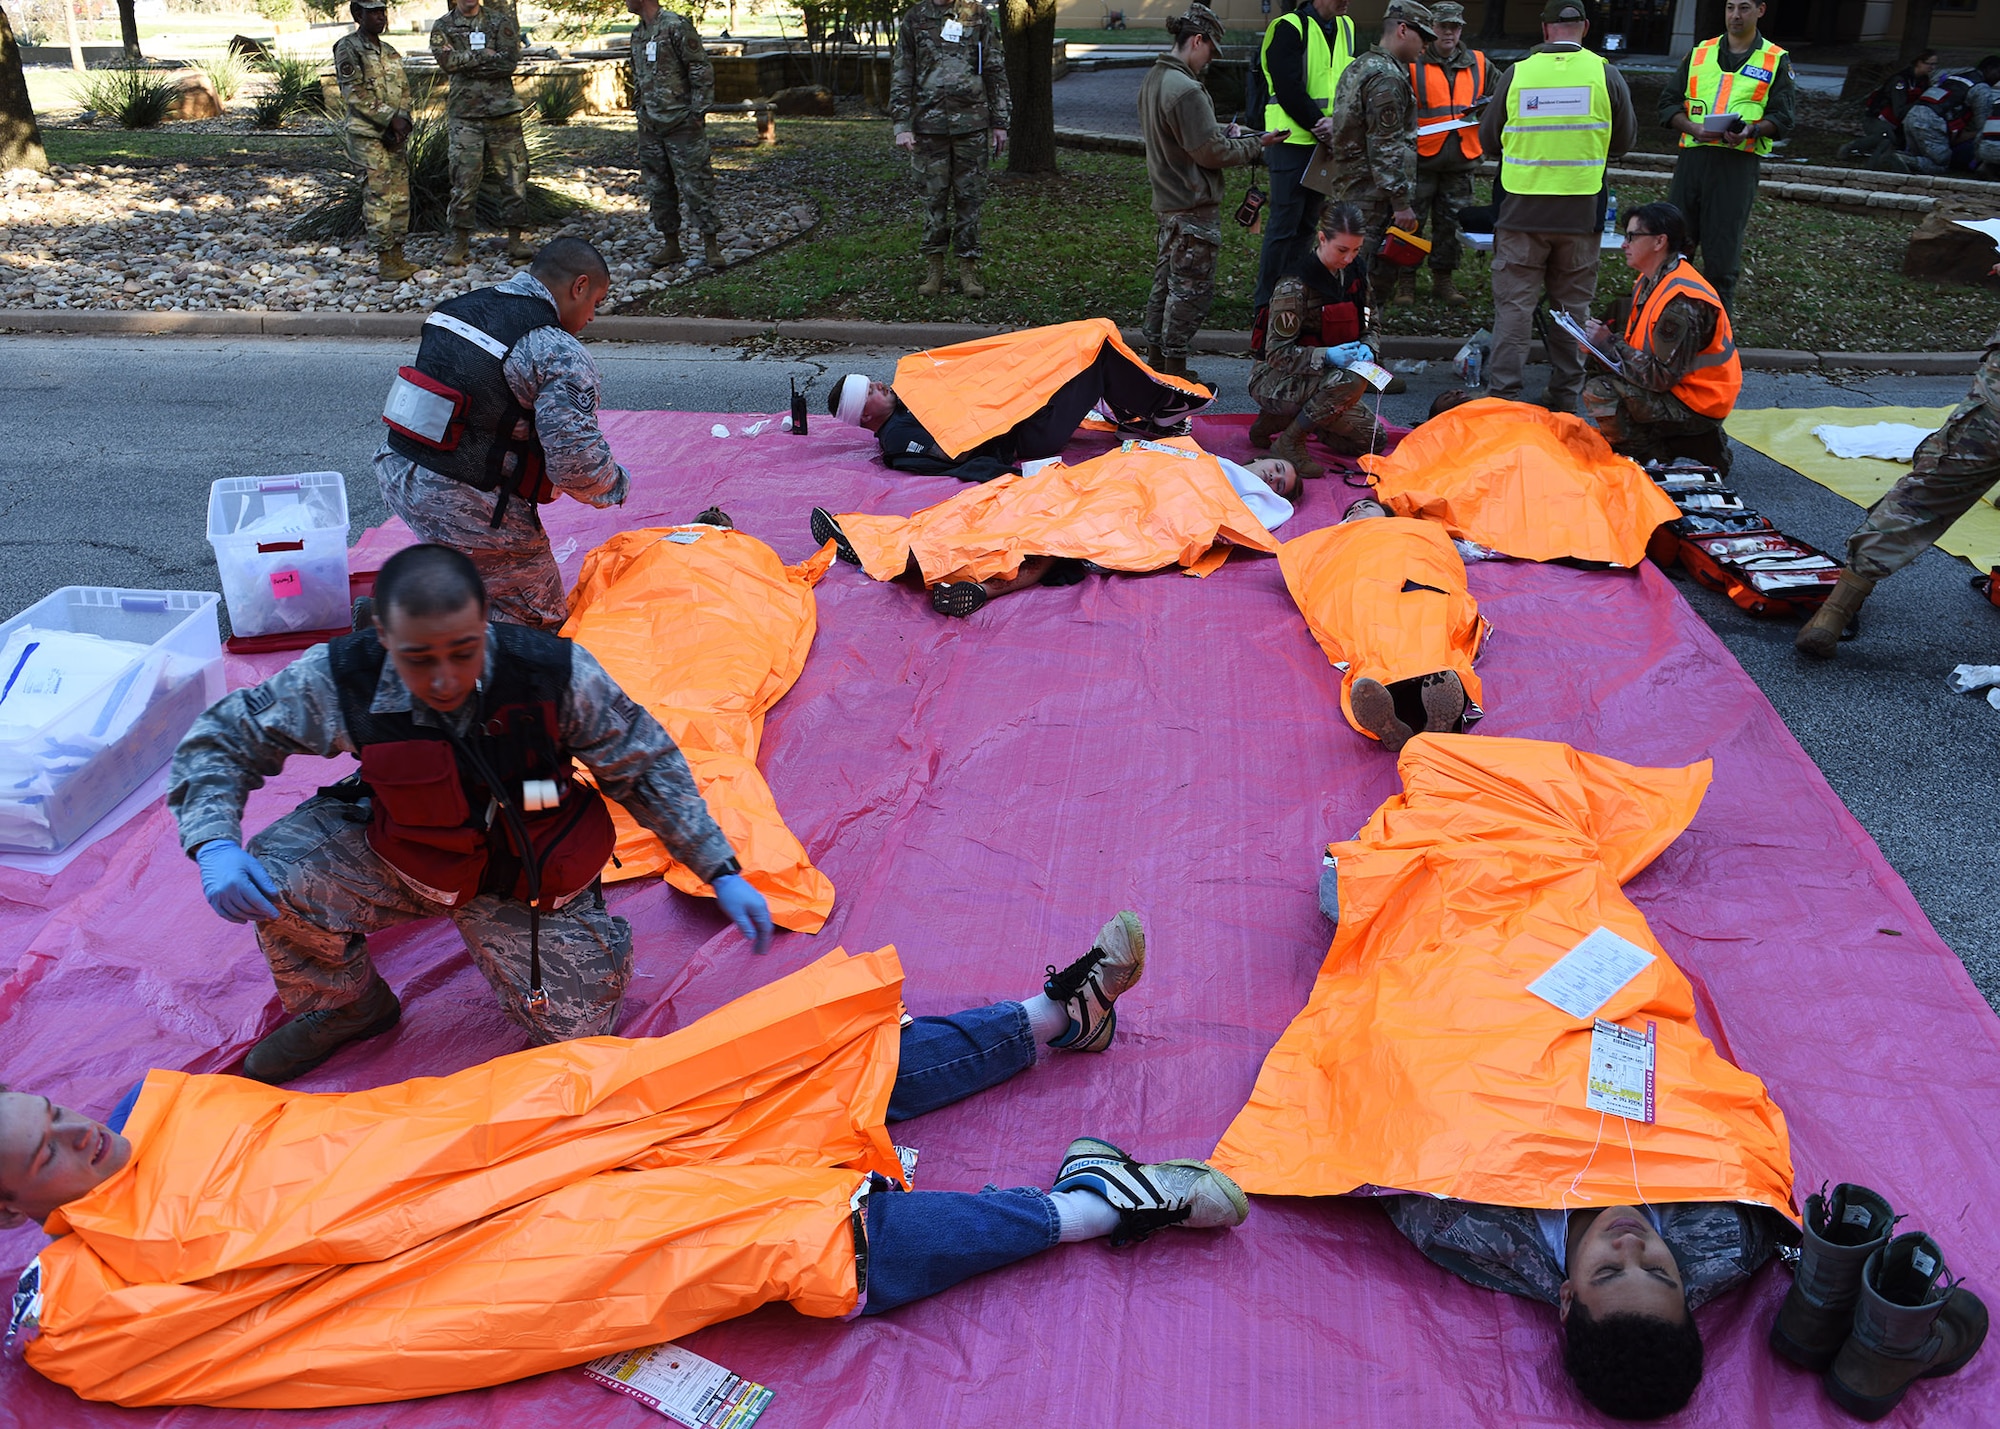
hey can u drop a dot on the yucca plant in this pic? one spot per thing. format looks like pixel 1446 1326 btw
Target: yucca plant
pixel 227 74
pixel 137 98
pixel 294 89
pixel 558 98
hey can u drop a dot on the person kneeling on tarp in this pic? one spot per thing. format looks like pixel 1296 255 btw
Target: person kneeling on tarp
pixel 1679 375
pixel 224 1243
pixel 1386 598
pixel 1140 507
pixel 977 409
pixel 466 807
pixel 1300 346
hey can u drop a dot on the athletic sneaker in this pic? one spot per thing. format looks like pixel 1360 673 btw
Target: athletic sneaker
pixel 1153 1196
pixel 1087 987
pixel 825 528
pixel 958 598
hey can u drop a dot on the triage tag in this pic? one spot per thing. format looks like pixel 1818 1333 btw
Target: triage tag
pixel 1591 973
pixel 652 50
pixel 683 1386
pixel 478 39
pixel 1374 375
pixel 286 584
pixel 1621 1071
pixel 951 32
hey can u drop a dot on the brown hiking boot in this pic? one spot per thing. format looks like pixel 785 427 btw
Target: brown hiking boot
pixel 1375 711
pixel 933 283
pixel 968 278
pixel 1153 357
pixel 1404 294
pixel 1443 694
pixel 1820 637
pixel 1174 364
pixel 461 247
pixel 307 1040
pixel 669 253
pixel 1445 290
pixel 1841 1232
pixel 1265 428
pixel 1910 1323
pixel 392 267
pixel 518 247
pixel 1291 445
pixel 711 250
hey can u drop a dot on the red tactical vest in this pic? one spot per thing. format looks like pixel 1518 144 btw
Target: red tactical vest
pixel 1331 317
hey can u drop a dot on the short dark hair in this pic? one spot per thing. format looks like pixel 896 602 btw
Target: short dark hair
pixel 562 261
pixel 1632 1366
pixel 1664 218
pixel 427 580
pixel 1988 65
pixel 1342 218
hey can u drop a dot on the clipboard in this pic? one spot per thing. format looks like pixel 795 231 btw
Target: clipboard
pixel 1570 325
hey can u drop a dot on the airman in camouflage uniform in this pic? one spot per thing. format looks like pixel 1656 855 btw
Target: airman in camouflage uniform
pixel 1373 148
pixel 333 889
pixel 1954 467
pixel 377 93
pixel 673 84
pixel 948 101
pixel 477 49
pixel 1444 179
pixel 1297 393
pixel 552 375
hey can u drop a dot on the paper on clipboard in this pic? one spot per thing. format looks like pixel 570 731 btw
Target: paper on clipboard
pixel 1445 126
pixel 1575 329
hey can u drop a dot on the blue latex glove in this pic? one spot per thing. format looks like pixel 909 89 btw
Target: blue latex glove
pixel 746 908
pixel 1349 352
pixel 235 884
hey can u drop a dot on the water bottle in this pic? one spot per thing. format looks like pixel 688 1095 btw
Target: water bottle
pixel 1611 213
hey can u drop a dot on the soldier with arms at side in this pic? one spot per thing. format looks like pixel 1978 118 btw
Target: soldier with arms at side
pixel 1373 141
pixel 477 49
pixel 948 101
pixel 1448 79
pixel 673 84
pixel 377 93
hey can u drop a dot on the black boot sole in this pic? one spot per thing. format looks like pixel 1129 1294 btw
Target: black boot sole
pixel 296 1070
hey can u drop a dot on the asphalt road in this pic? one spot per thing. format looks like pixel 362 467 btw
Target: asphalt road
pixel 112 444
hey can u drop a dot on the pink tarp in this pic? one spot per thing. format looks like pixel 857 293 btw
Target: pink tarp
pixel 983 793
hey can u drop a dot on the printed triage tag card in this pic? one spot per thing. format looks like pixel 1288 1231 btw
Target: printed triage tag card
pixel 1591 973
pixel 1621 1071
pixel 951 32
pixel 683 1386
pixel 1373 374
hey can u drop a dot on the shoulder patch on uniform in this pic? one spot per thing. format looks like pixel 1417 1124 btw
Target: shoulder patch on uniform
pixel 1285 322
pixel 258 698
pixel 347 66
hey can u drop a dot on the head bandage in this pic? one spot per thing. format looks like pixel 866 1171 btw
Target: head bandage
pixel 853 396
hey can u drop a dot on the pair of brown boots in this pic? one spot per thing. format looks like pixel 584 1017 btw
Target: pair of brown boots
pixel 1870 1313
pixel 935 282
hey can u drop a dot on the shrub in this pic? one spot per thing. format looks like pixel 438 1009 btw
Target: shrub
pixel 294 88
pixel 136 98
pixel 558 98
pixel 227 73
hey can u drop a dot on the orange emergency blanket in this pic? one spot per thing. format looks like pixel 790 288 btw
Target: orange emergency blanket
pixel 1387 599
pixel 1142 506
pixel 972 392
pixel 1423 1063
pixel 270 1248
pixel 1523 481
pixel 708 630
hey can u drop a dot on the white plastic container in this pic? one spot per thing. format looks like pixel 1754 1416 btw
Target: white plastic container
pixel 97 686
pixel 281 546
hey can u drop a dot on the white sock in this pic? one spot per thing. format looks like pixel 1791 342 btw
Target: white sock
pixel 1084 1215
pixel 1046 1019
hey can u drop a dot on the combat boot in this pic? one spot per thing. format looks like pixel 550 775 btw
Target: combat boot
pixel 711 250
pixel 968 278
pixel 518 247
pixel 1910 1323
pixel 933 283
pixel 669 254
pixel 1404 294
pixel 1820 636
pixel 307 1040
pixel 1841 1232
pixel 1153 357
pixel 1267 426
pixel 1291 445
pixel 461 247
pixel 392 267
pixel 1175 365
pixel 1445 290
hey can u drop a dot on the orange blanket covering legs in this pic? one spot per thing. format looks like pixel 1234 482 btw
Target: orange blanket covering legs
pixel 1423 1063
pixel 267 1248
pixel 708 630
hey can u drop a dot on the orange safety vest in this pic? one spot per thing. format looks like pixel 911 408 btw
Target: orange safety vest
pixel 1711 385
pixel 1440 96
pixel 1387 599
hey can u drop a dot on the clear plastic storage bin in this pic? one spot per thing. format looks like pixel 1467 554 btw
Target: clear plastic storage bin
pixel 281 546
pixel 97 686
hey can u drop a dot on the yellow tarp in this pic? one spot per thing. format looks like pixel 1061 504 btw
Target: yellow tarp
pixel 1785 435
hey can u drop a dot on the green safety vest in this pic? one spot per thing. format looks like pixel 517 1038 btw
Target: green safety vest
pixel 1324 63
pixel 1745 91
pixel 1558 131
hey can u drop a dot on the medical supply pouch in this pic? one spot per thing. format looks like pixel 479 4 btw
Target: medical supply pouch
pixel 425 409
pixel 1767 573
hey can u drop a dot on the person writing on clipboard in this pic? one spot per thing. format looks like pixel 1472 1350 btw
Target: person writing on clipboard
pixel 1677 375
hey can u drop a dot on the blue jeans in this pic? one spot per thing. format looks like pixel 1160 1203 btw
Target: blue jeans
pixel 921 1242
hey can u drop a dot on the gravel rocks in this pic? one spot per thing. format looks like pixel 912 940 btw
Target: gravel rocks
pixel 195 238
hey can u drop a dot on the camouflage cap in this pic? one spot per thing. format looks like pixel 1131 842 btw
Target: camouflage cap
pixel 370 4
pixel 1416 16
pixel 1448 12
pixel 1199 20
pixel 1558 12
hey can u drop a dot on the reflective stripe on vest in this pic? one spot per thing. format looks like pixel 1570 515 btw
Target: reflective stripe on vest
pixel 1715 90
pixel 1558 131
pixel 1324 63
pixel 1441 97
pixel 1712 384
pixel 1951 97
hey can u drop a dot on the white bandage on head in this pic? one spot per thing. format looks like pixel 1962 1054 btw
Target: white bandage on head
pixel 853 397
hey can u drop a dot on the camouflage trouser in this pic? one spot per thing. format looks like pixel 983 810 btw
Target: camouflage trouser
pixel 480 145
pixel 523 585
pixel 334 890
pixel 1439 198
pixel 385 192
pixel 954 175
pixel 1954 467
pixel 674 164
pixel 1376 215
pixel 1330 401
pixel 1183 281
pixel 1645 425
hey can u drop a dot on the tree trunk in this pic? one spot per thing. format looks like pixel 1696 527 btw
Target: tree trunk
pixel 128 25
pixel 20 135
pixel 1028 28
pixel 1916 29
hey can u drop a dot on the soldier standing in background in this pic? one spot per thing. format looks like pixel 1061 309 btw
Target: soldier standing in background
pixel 1447 78
pixel 377 93
pixel 1373 141
pixel 1299 65
pixel 673 85
pixel 477 50
pixel 948 102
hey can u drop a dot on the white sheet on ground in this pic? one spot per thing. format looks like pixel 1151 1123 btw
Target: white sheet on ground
pixel 1888 441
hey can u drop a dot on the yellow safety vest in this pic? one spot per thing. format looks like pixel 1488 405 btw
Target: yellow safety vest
pixel 1715 90
pixel 1558 131
pixel 1324 63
